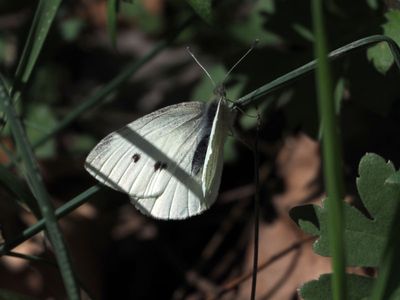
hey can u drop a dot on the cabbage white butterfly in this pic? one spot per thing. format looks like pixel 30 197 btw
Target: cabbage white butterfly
pixel 170 161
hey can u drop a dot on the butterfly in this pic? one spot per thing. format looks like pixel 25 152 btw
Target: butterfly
pixel 170 161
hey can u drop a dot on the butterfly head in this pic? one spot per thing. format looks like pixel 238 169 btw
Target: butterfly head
pixel 220 91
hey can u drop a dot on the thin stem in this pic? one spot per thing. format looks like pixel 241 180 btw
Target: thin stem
pixel 40 225
pixel 256 215
pixel 296 74
pixel 33 177
pixel 332 159
pixel 31 258
pixel 100 96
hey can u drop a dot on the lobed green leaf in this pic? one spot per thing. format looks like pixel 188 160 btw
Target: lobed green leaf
pixel 365 238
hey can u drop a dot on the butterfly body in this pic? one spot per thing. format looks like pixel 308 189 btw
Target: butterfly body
pixel 169 162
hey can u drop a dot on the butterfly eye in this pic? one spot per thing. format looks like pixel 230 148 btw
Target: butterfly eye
pixel 135 157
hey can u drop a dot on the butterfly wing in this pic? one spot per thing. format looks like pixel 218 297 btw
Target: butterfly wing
pixel 151 160
pixel 213 163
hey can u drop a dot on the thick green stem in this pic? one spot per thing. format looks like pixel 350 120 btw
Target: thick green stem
pixel 331 151
pixel 34 179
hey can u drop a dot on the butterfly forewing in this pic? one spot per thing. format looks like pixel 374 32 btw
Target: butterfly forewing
pixel 151 159
pixel 212 170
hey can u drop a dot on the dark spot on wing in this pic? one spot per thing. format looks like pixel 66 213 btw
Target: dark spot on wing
pixel 160 166
pixel 136 157
pixel 157 166
pixel 201 148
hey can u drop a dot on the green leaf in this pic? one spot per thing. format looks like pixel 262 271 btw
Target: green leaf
pixel 394 179
pixel 365 238
pixel 358 287
pixel 203 9
pixel 381 57
pixel 387 284
pixel 380 54
pixel 306 218
pixel 9 295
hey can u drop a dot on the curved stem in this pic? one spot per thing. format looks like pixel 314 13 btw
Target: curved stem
pixel 254 96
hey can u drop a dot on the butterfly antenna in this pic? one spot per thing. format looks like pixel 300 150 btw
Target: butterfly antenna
pixel 240 60
pixel 200 65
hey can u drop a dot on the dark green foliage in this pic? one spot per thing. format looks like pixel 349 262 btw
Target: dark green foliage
pixel 359 287
pixel 380 54
pixel 366 237
pixel 69 90
pixel 9 295
pixel 203 9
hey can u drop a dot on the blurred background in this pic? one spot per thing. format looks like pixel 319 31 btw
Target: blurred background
pixel 118 253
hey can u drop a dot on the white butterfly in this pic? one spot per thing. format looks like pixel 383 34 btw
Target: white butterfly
pixel 170 161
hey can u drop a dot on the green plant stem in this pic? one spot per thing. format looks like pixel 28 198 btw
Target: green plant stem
pixel 44 17
pixel 100 96
pixel 256 212
pixel 40 225
pixel 33 177
pixel 332 159
pixel 248 99
pixel 32 258
pixel 112 11
pixel 255 96
pixel 244 101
